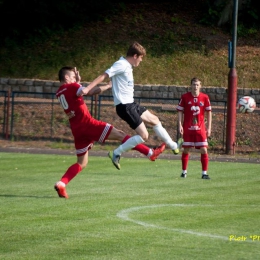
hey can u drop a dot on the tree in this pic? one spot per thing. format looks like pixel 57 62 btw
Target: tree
pixel 248 11
pixel 18 18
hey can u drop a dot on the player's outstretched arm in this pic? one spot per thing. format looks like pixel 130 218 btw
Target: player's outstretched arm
pixel 99 89
pixel 94 83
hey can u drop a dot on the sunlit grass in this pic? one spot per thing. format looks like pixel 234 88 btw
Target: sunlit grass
pixel 144 211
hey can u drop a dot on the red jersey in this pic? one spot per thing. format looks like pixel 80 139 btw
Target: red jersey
pixel 73 105
pixel 85 129
pixel 194 109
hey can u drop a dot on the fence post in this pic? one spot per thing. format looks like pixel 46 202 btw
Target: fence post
pixel 7 114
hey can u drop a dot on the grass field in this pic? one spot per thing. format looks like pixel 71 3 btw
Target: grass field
pixel 144 211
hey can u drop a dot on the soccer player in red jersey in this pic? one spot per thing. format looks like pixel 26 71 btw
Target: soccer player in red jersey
pixel 192 109
pixel 85 129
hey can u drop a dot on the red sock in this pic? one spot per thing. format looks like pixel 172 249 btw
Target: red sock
pixel 72 171
pixel 184 160
pixel 204 161
pixel 142 148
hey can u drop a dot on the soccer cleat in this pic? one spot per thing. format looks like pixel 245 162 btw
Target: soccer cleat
pixel 180 142
pixel 205 176
pixel 176 151
pixel 183 175
pixel 179 145
pixel 157 151
pixel 115 159
pixel 61 190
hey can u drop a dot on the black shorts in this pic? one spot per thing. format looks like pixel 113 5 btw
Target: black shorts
pixel 131 114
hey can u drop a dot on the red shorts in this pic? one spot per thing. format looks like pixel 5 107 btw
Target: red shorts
pixel 194 138
pixel 87 134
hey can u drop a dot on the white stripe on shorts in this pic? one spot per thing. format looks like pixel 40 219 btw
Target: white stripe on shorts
pixel 195 144
pixel 84 150
pixel 103 135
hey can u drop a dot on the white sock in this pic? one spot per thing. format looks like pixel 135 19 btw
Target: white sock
pixel 129 144
pixel 204 172
pixel 184 171
pixel 61 183
pixel 161 132
pixel 150 153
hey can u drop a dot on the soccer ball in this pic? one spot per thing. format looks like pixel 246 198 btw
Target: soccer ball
pixel 246 104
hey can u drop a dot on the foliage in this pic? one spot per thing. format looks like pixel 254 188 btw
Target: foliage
pixel 212 13
pixel 34 18
pixel 221 13
pixel 178 47
pixel 39 18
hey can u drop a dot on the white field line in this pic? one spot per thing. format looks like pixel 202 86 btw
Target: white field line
pixel 124 214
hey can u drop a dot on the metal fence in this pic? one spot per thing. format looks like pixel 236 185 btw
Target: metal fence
pixel 3 113
pixel 39 116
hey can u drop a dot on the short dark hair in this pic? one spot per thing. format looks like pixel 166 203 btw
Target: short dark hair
pixel 64 71
pixel 194 80
pixel 135 48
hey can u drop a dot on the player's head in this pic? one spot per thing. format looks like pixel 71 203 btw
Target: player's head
pixel 195 86
pixel 135 49
pixel 67 74
pixel 135 54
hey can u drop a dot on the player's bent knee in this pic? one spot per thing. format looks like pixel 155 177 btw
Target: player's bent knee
pixel 145 137
pixel 203 150
pixel 83 166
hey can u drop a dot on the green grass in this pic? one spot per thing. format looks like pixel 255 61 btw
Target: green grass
pixel 143 211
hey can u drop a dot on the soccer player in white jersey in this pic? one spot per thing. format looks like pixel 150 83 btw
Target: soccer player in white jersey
pixel 192 109
pixel 121 75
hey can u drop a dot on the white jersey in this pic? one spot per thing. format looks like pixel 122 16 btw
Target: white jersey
pixel 121 74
